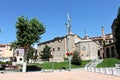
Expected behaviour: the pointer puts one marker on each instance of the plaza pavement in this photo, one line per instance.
(57, 75)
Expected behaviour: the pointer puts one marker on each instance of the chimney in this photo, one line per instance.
(103, 34)
(103, 37)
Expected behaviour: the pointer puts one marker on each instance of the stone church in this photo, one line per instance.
(87, 48)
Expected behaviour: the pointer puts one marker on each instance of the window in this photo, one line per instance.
(110, 41)
(84, 48)
(106, 41)
(20, 59)
(82, 55)
(53, 49)
(14, 59)
(58, 48)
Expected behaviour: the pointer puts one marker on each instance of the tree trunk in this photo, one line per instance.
(26, 48)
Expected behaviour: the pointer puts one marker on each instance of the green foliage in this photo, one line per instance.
(65, 59)
(117, 33)
(31, 51)
(109, 62)
(13, 45)
(2, 63)
(46, 53)
(59, 65)
(28, 31)
(76, 59)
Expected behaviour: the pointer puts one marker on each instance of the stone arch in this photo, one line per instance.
(113, 51)
(107, 53)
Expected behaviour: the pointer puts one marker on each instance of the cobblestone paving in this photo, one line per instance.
(57, 75)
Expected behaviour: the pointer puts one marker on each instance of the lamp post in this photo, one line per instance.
(68, 41)
(69, 54)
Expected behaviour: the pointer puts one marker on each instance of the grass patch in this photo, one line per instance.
(109, 62)
(59, 65)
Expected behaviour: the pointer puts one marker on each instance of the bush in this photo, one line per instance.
(2, 63)
(65, 59)
(33, 68)
(76, 60)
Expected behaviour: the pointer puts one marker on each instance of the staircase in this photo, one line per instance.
(94, 63)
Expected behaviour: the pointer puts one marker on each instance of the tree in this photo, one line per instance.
(28, 32)
(76, 60)
(13, 45)
(31, 53)
(46, 53)
(117, 33)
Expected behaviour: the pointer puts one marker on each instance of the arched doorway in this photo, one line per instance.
(99, 54)
(107, 53)
(113, 51)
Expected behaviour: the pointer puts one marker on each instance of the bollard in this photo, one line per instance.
(106, 71)
(114, 72)
(24, 67)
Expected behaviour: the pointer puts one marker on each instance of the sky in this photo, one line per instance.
(89, 15)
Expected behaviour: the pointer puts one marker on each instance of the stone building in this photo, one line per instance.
(99, 39)
(87, 49)
(107, 49)
(59, 46)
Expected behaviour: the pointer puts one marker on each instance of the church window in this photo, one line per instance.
(53, 49)
(58, 48)
(59, 40)
(84, 48)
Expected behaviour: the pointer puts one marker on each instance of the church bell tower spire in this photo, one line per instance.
(68, 23)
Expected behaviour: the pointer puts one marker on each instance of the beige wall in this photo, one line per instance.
(5, 50)
(87, 49)
(75, 43)
(57, 49)
(62, 43)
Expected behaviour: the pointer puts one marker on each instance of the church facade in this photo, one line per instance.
(59, 46)
(86, 48)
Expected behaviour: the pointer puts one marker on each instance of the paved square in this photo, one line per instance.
(57, 75)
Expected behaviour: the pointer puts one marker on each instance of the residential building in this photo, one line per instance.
(5, 52)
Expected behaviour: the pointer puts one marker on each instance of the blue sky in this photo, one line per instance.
(86, 14)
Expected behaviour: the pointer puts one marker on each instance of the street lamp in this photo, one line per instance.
(68, 40)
